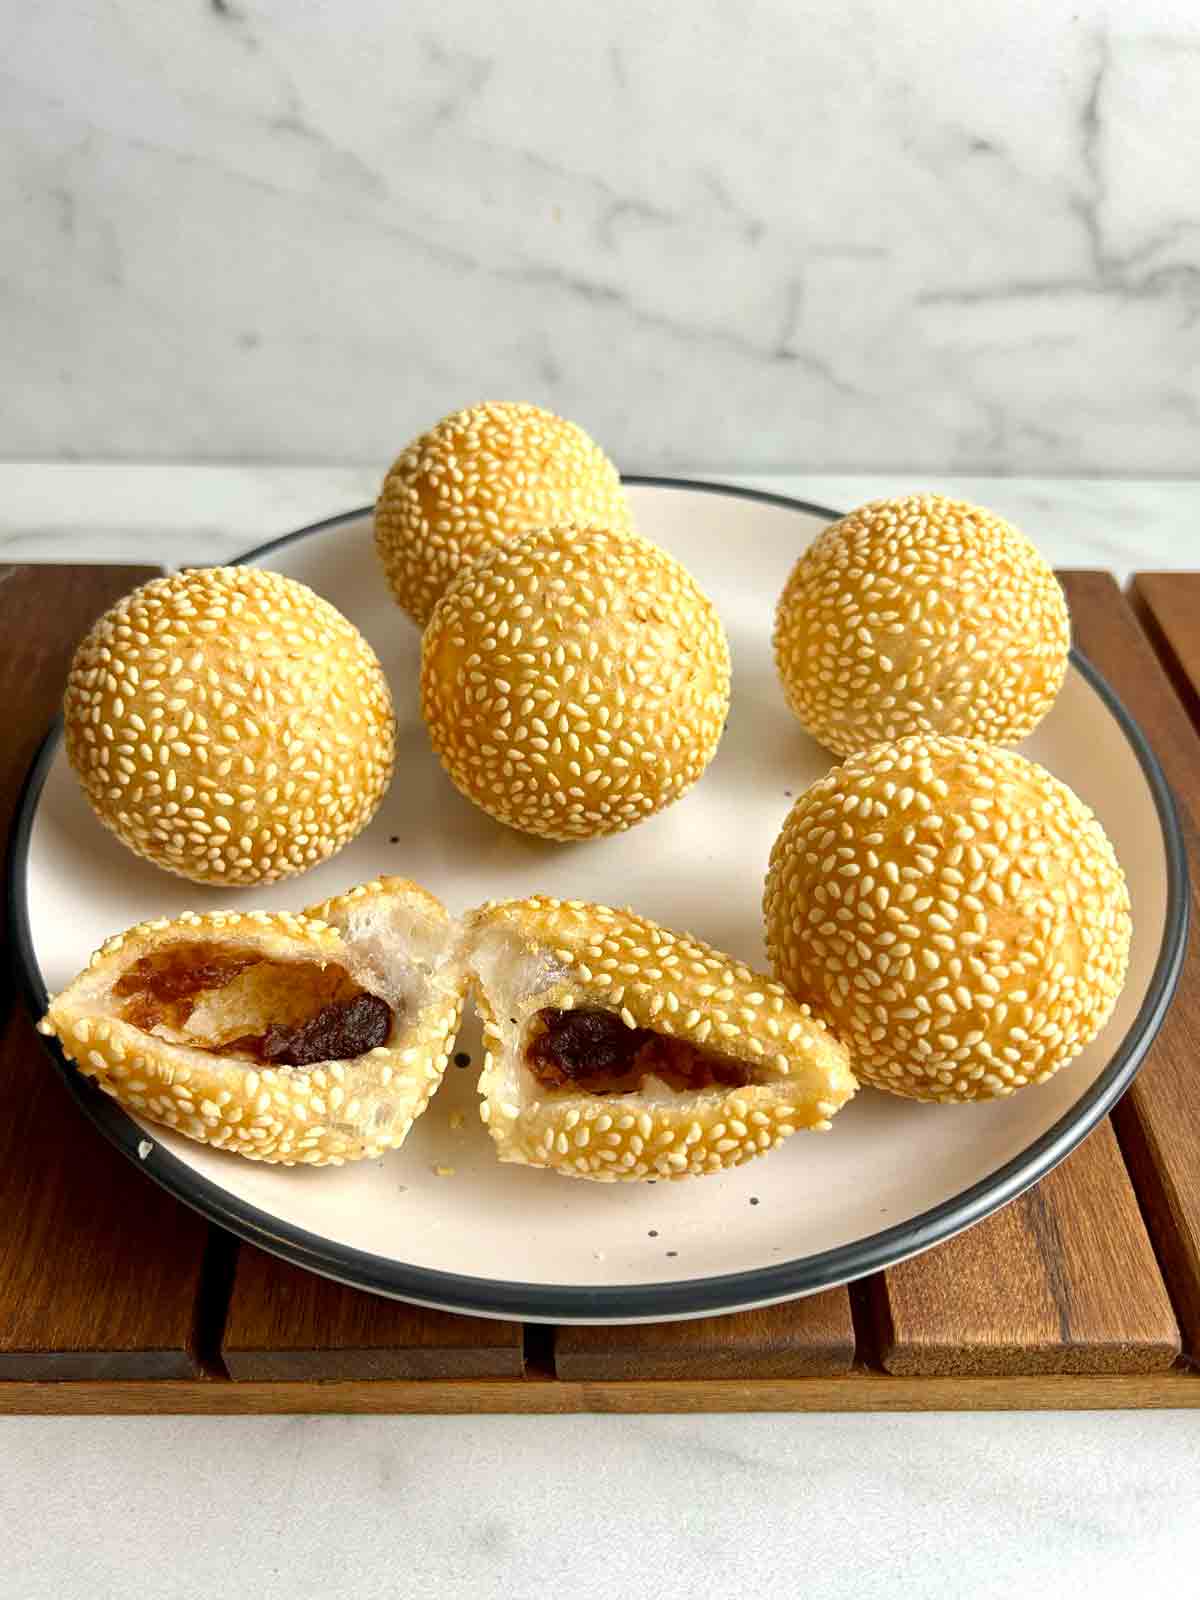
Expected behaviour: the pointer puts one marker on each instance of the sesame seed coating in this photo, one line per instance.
(476, 479)
(229, 725)
(575, 681)
(920, 615)
(529, 954)
(955, 913)
(328, 1114)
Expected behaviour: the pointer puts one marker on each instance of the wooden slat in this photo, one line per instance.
(812, 1337)
(1167, 604)
(1158, 1122)
(1062, 1281)
(858, 1391)
(99, 1270)
(46, 610)
(1065, 1280)
(285, 1324)
(126, 1309)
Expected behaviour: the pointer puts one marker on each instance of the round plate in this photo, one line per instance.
(891, 1179)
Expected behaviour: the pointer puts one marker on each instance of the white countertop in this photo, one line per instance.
(861, 1506)
(602, 1508)
(82, 511)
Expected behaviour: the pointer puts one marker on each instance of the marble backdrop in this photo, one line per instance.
(943, 235)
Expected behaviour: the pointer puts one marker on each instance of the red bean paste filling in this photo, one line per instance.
(339, 1032)
(164, 989)
(593, 1050)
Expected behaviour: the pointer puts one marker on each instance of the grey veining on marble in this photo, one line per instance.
(927, 1507)
(176, 515)
(766, 234)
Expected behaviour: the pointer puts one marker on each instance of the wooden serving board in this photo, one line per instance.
(1084, 1293)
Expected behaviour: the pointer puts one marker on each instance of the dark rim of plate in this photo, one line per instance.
(542, 1302)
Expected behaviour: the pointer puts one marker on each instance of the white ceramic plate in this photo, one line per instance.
(891, 1179)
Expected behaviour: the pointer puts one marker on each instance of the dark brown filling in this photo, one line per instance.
(339, 1032)
(344, 1020)
(593, 1050)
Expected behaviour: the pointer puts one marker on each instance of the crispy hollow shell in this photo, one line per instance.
(390, 937)
(532, 954)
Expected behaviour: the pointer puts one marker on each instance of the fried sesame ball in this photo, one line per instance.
(229, 725)
(778, 1067)
(575, 681)
(955, 913)
(170, 1019)
(476, 479)
(921, 615)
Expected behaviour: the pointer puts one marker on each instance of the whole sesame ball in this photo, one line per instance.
(575, 681)
(476, 479)
(921, 615)
(229, 725)
(955, 913)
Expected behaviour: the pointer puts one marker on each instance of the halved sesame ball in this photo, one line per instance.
(476, 479)
(229, 725)
(620, 1051)
(575, 681)
(954, 912)
(311, 1040)
(921, 615)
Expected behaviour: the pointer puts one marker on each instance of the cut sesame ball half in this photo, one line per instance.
(314, 1039)
(474, 481)
(619, 1051)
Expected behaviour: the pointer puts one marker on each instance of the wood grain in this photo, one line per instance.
(1158, 1122)
(286, 1324)
(1167, 604)
(46, 611)
(99, 1270)
(812, 1337)
(1053, 1303)
(1064, 1280)
(858, 1391)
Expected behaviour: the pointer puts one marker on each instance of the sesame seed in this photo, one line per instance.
(686, 1132)
(271, 1114)
(972, 978)
(201, 621)
(556, 776)
(985, 620)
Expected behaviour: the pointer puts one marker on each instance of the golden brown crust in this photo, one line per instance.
(334, 1112)
(338, 909)
(474, 481)
(575, 681)
(542, 952)
(920, 615)
(956, 914)
(229, 725)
